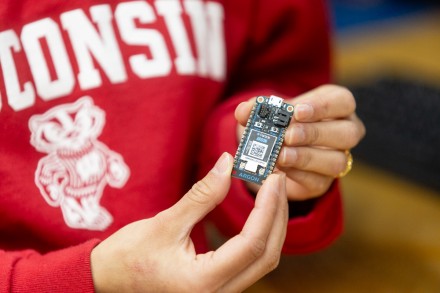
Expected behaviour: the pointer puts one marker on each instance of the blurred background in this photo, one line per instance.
(388, 53)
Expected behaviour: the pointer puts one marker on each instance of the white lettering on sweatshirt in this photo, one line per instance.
(96, 42)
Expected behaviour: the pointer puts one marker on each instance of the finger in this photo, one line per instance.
(327, 162)
(324, 102)
(243, 111)
(271, 255)
(302, 185)
(240, 130)
(203, 196)
(337, 134)
(244, 249)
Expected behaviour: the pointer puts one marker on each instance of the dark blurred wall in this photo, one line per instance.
(388, 53)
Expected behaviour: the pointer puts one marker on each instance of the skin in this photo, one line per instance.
(158, 255)
(323, 127)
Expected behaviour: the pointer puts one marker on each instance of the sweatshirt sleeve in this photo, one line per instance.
(66, 270)
(287, 54)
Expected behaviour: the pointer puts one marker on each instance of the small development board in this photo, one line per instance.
(262, 139)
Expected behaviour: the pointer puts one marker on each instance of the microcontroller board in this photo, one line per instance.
(262, 139)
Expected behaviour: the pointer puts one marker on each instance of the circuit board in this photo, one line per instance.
(262, 139)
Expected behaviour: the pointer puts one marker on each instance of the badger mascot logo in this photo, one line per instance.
(77, 167)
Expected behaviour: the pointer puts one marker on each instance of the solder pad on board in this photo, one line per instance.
(262, 139)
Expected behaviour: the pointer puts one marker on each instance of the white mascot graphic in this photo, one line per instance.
(77, 167)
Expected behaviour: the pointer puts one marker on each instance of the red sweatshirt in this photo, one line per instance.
(109, 109)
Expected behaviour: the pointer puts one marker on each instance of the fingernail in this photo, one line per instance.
(295, 135)
(303, 112)
(280, 182)
(222, 165)
(300, 134)
(289, 156)
(282, 185)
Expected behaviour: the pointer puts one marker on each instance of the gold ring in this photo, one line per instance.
(348, 166)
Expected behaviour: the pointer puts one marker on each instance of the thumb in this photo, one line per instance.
(204, 196)
(243, 111)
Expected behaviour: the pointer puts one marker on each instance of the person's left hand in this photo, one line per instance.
(323, 127)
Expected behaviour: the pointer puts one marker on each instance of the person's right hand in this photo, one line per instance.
(158, 255)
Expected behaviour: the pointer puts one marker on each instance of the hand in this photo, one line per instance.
(324, 126)
(157, 254)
